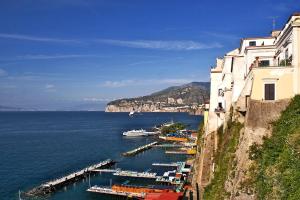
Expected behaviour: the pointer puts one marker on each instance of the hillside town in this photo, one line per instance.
(188, 98)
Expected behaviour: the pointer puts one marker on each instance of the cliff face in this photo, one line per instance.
(238, 165)
(258, 125)
(185, 98)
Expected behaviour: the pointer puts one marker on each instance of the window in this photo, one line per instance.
(221, 93)
(270, 91)
(220, 106)
(286, 54)
(232, 60)
(264, 63)
(252, 43)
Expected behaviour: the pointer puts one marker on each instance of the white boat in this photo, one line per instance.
(131, 113)
(167, 124)
(141, 132)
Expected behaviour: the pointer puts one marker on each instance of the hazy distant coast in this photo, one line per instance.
(185, 98)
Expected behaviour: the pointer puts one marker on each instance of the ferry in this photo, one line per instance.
(141, 132)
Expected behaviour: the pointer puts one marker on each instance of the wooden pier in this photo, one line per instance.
(139, 149)
(54, 185)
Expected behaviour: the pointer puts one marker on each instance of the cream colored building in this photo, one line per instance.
(262, 68)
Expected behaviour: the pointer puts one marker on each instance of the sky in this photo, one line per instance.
(56, 54)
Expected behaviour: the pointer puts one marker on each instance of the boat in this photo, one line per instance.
(166, 124)
(131, 113)
(140, 132)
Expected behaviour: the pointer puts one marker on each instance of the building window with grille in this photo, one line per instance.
(252, 43)
(269, 91)
(264, 63)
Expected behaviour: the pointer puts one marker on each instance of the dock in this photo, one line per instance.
(109, 191)
(169, 145)
(166, 181)
(135, 174)
(176, 152)
(106, 170)
(166, 164)
(139, 149)
(58, 183)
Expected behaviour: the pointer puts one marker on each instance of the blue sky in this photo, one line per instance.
(58, 53)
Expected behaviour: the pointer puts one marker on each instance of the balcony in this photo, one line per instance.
(276, 63)
(219, 110)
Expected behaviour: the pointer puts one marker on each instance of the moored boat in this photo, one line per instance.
(140, 132)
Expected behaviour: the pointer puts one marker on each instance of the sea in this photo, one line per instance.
(36, 147)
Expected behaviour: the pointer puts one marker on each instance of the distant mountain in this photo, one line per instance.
(182, 98)
(90, 106)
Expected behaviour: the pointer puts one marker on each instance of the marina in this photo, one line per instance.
(159, 178)
(53, 185)
(139, 149)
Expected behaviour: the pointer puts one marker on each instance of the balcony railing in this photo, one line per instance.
(285, 62)
(219, 110)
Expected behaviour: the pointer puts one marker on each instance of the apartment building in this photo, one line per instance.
(265, 69)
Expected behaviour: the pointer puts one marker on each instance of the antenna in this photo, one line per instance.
(89, 180)
(20, 195)
(273, 21)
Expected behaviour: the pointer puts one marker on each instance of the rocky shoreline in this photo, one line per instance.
(193, 110)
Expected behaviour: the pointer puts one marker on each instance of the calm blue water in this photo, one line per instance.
(39, 146)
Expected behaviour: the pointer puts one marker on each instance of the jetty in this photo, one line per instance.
(139, 149)
(169, 145)
(58, 183)
(167, 164)
(105, 190)
(136, 174)
(176, 152)
(106, 170)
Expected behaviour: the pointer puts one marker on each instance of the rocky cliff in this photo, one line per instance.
(186, 98)
(251, 156)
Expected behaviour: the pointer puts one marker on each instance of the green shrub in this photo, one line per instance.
(224, 161)
(277, 160)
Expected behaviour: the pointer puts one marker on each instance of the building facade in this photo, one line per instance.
(262, 69)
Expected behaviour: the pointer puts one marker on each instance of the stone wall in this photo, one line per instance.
(258, 121)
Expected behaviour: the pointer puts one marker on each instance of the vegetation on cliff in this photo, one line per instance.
(224, 158)
(276, 173)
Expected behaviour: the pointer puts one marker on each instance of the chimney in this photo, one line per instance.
(275, 33)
